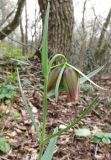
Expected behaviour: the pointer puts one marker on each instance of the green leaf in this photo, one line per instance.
(16, 116)
(100, 134)
(2, 96)
(7, 91)
(109, 135)
(10, 87)
(106, 140)
(83, 132)
(86, 88)
(50, 148)
(37, 129)
(96, 139)
(103, 134)
(4, 146)
(78, 120)
(87, 78)
(26, 82)
(45, 70)
(58, 82)
(91, 74)
(45, 43)
(52, 92)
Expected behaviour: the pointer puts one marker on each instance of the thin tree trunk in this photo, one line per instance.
(15, 22)
(26, 28)
(22, 37)
(100, 47)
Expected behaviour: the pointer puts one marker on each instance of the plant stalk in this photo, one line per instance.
(43, 135)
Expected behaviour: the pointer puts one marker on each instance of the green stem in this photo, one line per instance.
(58, 65)
(54, 58)
(44, 118)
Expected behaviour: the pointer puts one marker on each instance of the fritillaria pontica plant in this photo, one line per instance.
(56, 77)
(65, 77)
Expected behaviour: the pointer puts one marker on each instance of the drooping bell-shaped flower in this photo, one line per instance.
(71, 83)
(53, 76)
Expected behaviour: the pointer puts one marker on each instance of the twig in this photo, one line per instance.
(95, 154)
(3, 158)
(23, 44)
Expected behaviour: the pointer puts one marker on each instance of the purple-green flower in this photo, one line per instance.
(69, 82)
(53, 76)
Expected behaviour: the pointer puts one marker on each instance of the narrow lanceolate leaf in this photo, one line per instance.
(50, 148)
(53, 76)
(85, 76)
(92, 74)
(37, 129)
(76, 121)
(45, 43)
(58, 82)
(71, 83)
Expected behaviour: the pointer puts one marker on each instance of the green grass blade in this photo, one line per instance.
(77, 121)
(52, 92)
(28, 108)
(88, 79)
(19, 61)
(50, 148)
(45, 43)
(90, 75)
(58, 82)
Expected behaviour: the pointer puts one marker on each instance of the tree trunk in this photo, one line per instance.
(61, 21)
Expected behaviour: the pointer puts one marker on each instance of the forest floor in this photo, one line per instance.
(20, 134)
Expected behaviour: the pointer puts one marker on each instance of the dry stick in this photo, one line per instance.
(23, 44)
(4, 158)
(8, 16)
(101, 38)
(96, 149)
(100, 23)
(83, 34)
(83, 18)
